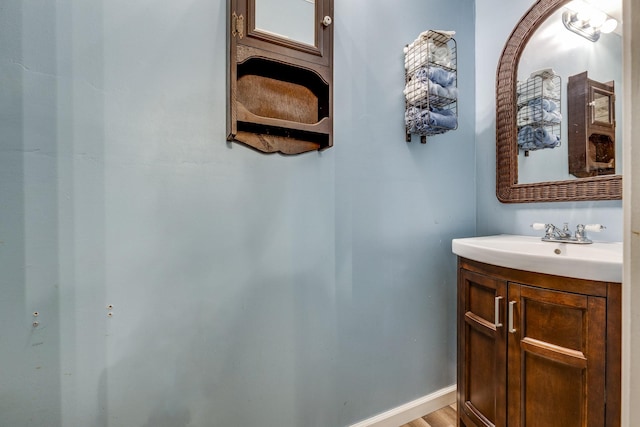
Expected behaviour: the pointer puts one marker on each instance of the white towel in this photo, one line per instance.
(424, 49)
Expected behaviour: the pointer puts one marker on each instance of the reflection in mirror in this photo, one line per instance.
(289, 19)
(591, 111)
(509, 188)
(553, 47)
(601, 110)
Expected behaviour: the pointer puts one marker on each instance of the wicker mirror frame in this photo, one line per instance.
(508, 190)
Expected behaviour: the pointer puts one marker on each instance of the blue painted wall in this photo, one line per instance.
(314, 290)
(493, 216)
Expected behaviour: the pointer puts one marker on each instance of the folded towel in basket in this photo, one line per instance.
(545, 139)
(443, 119)
(423, 50)
(424, 121)
(432, 80)
(441, 76)
(530, 138)
(528, 91)
(548, 105)
(529, 115)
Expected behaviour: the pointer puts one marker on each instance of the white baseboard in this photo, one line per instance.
(410, 411)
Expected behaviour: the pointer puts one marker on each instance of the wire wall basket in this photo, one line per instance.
(431, 85)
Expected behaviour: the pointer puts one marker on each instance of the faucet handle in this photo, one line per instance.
(549, 229)
(581, 231)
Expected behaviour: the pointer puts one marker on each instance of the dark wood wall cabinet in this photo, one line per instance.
(280, 88)
(591, 126)
(537, 349)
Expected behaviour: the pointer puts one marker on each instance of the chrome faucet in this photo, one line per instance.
(563, 235)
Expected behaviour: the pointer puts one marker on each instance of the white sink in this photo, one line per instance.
(596, 261)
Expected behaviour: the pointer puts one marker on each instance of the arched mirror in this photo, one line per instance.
(541, 43)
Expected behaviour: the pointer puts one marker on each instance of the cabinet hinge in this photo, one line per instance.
(237, 25)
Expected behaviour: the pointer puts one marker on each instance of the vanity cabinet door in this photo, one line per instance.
(555, 358)
(481, 350)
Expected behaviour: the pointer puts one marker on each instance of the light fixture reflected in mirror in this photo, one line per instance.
(588, 21)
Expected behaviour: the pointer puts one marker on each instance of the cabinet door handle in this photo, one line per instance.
(496, 320)
(512, 330)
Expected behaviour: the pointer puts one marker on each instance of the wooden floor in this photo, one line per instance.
(445, 417)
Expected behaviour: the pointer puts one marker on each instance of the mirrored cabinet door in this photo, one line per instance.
(602, 105)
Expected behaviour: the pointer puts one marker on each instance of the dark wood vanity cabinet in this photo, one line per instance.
(536, 349)
(591, 126)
